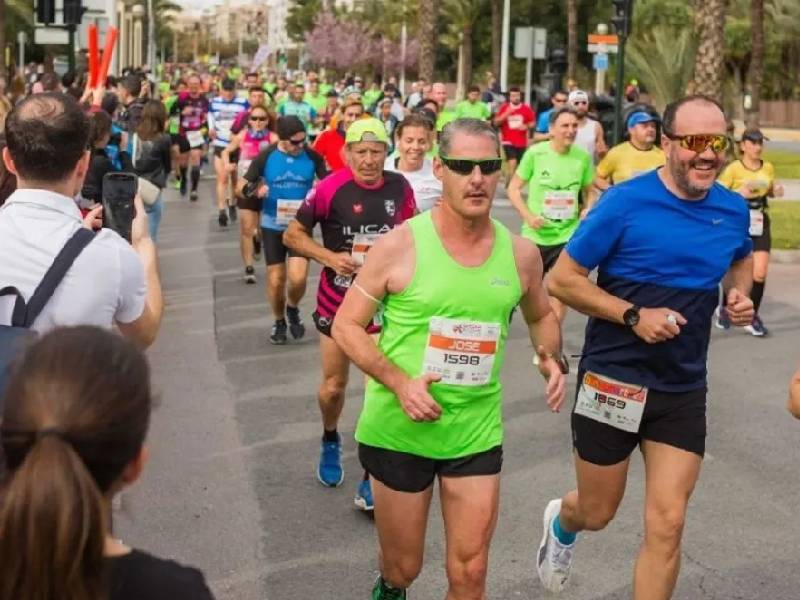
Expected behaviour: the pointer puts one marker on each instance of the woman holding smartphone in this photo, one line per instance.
(251, 140)
(77, 410)
(151, 158)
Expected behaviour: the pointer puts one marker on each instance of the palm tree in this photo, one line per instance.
(572, 38)
(497, 24)
(15, 16)
(463, 15)
(755, 74)
(427, 16)
(708, 64)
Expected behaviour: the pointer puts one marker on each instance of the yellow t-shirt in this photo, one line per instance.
(625, 161)
(736, 177)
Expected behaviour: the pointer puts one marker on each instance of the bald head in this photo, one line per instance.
(47, 135)
(439, 93)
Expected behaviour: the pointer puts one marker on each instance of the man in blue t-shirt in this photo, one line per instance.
(662, 244)
(282, 175)
(542, 131)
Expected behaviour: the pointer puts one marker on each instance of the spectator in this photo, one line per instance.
(50, 82)
(151, 157)
(129, 91)
(99, 163)
(76, 416)
(112, 281)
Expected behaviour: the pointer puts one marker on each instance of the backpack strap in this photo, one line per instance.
(55, 274)
(18, 314)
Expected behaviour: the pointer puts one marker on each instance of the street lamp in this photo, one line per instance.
(151, 37)
(138, 12)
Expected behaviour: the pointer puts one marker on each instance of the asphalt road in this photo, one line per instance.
(231, 484)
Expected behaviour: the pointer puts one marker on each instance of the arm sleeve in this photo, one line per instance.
(319, 163)
(599, 232)
(525, 168)
(132, 293)
(409, 202)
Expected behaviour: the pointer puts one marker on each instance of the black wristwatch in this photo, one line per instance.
(561, 361)
(631, 316)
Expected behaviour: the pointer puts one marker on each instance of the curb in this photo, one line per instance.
(785, 256)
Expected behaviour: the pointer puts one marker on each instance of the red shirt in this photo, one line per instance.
(330, 144)
(514, 130)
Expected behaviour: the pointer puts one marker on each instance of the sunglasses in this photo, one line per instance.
(464, 166)
(259, 119)
(579, 102)
(700, 142)
(297, 142)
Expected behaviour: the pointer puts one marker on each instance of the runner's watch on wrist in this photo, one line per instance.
(631, 316)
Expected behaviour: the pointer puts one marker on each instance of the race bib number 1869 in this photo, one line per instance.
(462, 352)
(612, 402)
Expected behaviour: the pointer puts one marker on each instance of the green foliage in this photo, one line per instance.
(300, 18)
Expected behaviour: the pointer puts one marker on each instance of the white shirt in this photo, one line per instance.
(427, 189)
(105, 284)
(587, 137)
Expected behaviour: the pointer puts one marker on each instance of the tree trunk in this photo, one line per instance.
(428, 11)
(708, 65)
(755, 74)
(466, 72)
(3, 38)
(572, 38)
(497, 39)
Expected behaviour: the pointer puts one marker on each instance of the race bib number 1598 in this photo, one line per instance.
(462, 352)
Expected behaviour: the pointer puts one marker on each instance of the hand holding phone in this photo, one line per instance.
(119, 190)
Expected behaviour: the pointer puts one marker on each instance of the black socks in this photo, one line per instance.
(330, 436)
(757, 294)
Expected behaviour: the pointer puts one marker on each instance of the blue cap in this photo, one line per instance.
(641, 117)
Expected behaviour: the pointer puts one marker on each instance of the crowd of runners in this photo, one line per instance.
(392, 195)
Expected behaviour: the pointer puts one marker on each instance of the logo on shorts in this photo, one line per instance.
(358, 208)
(389, 206)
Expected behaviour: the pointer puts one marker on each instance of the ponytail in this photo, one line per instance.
(52, 527)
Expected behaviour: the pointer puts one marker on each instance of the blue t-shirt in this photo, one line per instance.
(543, 121)
(654, 250)
(288, 178)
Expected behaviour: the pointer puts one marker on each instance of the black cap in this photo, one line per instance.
(332, 94)
(228, 85)
(754, 135)
(289, 126)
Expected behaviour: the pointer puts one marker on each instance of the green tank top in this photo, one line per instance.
(453, 320)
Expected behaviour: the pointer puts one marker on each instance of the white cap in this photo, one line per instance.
(578, 96)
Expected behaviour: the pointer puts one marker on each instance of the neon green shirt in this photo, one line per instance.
(469, 110)
(467, 351)
(444, 118)
(555, 182)
(371, 97)
(318, 102)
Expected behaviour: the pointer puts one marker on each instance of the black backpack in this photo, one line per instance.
(15, 337)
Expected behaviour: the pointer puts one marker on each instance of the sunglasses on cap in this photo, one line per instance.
(698, 143)
(465, 166)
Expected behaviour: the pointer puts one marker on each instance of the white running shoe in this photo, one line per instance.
(554, 559)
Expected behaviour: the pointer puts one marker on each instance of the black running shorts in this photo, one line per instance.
(550, 255)
(233, 158)
(181, 142)
(405, 472)
(677, 419)
(275, 251)
(513, 153)
(763, 242)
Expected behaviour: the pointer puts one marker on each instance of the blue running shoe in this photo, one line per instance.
(363, 499)
(329, 471)
(721, 318)
(756, 328)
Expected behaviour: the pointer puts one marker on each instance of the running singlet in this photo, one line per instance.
(194, 120)
(439, 324)
(352, 217)
(221, 116)
(289, 179)
(250, 147)
(587, 137)
(427, 189)
(625, 161)
(555, 182)
(624, 237)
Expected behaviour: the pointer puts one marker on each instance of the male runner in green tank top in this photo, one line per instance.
(433, 403)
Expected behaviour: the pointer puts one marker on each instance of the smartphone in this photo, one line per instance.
(119, 189)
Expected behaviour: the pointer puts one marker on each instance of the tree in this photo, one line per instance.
(462, 16)
(427, 16)
(755, 75)
(572, 38)
(710, 56)
(497, 41)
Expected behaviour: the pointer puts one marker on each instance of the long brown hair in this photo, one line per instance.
(76, 413)
(153, 121)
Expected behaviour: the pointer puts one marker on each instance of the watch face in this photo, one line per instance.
(631, 317)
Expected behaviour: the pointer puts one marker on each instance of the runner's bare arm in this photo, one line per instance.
(737, 285)
(794, 394)
(544, 327)
(232, 146)
(299, 239)
(600, 141)
(515, 196)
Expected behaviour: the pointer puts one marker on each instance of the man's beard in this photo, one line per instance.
(680, 174)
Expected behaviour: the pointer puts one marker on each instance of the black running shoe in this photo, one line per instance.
(256, 245)
(232, 212)
(278, 334)
(183, 186)
(223, 219)
(296, 327)
(193, 196)
(249, 274)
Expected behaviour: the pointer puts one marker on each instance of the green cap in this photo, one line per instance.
(366, 130)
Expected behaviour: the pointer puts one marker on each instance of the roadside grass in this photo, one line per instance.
(787, 164)
(785, 219)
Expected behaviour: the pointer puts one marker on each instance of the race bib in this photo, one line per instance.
(758, 187)
(195, 138)
(287, 209)
(612, 402)
(242, 166)
(362, 242)
(516, 122)
(462, 352)
(560, 205)
(756, 223)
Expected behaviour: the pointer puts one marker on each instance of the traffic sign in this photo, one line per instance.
(600, 62)
(600, 38)
(50, 36)
(530, 42)
(602, 49)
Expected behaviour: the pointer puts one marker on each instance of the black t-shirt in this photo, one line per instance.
(141, 576)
